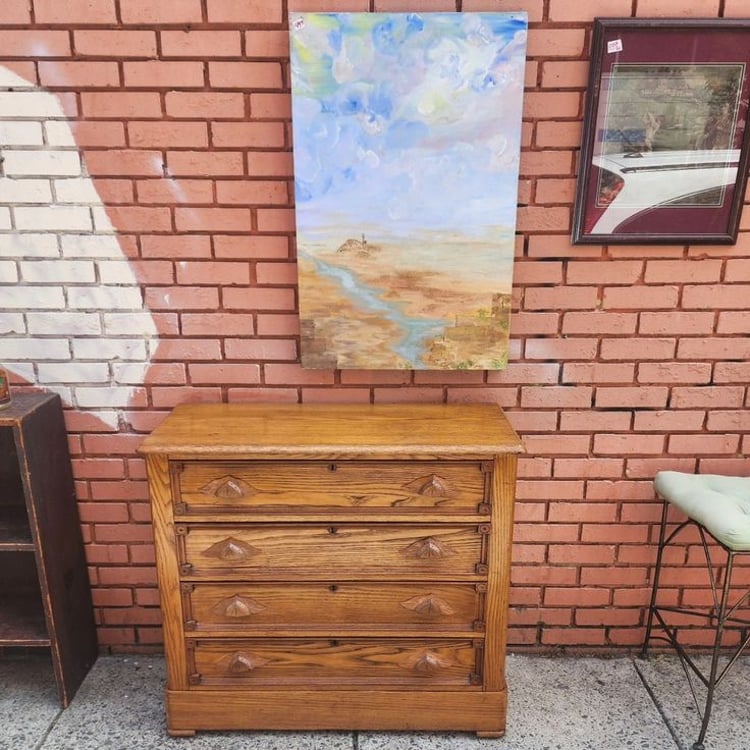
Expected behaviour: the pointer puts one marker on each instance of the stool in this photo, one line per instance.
(719, 506)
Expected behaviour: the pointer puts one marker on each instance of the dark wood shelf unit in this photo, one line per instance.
(45, 597)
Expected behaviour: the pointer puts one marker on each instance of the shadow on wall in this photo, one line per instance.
(72, 318)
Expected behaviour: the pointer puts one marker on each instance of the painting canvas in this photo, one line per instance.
(406, 147)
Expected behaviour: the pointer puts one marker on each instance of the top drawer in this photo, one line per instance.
(450, 487)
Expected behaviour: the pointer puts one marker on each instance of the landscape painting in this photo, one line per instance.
(407, 132)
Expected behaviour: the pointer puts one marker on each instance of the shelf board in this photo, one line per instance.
(15, 534)
(22, 620)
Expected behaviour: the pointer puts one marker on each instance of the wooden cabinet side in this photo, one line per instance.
(165, 542)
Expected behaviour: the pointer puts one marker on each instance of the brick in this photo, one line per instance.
(54, 218)
(682, 271)
(65, 74)
(674, 372)
(259, 299)
(675, 8)
(668, 421)
(675, 323)
(734, 322)
(587, 421)
(26, 163)
(208, 374)
(714, 348)
(588, 468)
(252, 192)
(206, 324)
(565, 12)
(556, 397)
(558, 134)
(150, 13)
(75, 12)
(117, 43)
(201, 44)
(622, 445)
(653, 397)
(168, 398)
(561, 349)
(119, 162)
(729, 372)
(141, 218)
(283, 325)
(270, 164)
(641, 348)
(176, 246)
(271, 106)
(204, 105)
(597, 372)
(604, 272)
(114, 104)
(599, 322)
(34, 43)
(565, 74)
(248, 134)
(90, 134)
(716, 296)
(164, 74)
(703, 444)
(245, 75)
(175, 191)
(244, 11)
(294, 374)
(204, 163)
(335, 395)
(213, 219)
(184, 298)
(208, 349)
(551, 191)
(557, 444)
(15, 12)
(561, 297)
(267, 43)
(224, 273)
(276, 220)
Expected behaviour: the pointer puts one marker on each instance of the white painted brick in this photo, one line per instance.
(129, 324)
(64, 323)
(58, 271)
(8, 274)
(53, 218)
(73, 372)
(5, 222)
(59, 133)
(104, 397)
(14, 133)
(35, 349)
(90, 246)
(105, 298)
(9, 79)
(116, 272)
(42, 297)
(29, 245)
(109, 349)
(25, 191)
(129, 373)
(102, 222)
(30, 104)
(11, 323)
(76, 190)
(41, 162)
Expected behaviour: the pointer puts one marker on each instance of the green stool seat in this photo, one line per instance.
(719, 503)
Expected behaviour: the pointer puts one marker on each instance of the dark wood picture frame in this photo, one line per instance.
(664, 154)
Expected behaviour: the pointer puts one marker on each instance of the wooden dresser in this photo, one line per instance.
(334, 566)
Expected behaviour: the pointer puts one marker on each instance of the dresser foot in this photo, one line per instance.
(490, 735)
(181, 732)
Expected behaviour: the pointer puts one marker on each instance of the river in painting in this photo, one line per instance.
(430, 302)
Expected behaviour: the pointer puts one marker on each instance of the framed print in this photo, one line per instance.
(665, 138)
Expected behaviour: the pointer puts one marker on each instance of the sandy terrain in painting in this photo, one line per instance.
(448, 282)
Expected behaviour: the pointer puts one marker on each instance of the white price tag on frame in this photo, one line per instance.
(614, 46)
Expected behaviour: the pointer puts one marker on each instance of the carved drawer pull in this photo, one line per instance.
(429, 547)
(238, 606)
(431, 486)
(243, 663)
(228, 488)
(231, 549)
(429, 604)
(428, 663)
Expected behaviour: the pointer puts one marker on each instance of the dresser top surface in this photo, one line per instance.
(333, 430)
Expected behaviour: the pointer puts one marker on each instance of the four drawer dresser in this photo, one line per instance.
(334, 566)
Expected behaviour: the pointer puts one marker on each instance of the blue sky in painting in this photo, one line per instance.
(407, 122)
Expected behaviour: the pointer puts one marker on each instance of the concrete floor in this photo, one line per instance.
(556, 703)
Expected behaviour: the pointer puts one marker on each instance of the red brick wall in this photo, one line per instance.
(624, 360)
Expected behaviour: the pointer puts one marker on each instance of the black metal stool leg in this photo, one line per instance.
(657, 573)
(716, 652)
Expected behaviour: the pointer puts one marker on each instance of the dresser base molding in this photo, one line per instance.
(312, 710)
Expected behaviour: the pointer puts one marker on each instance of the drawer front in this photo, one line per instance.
(364, 486)
(344, 606)
(425, 663)
(334, 553)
